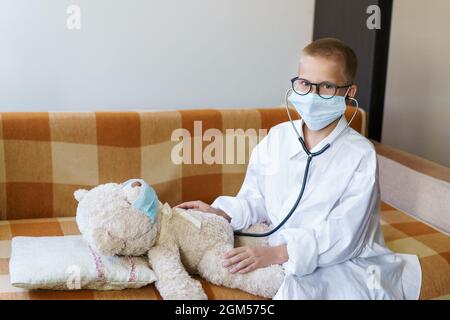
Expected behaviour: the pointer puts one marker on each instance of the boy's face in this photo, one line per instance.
(318, 69)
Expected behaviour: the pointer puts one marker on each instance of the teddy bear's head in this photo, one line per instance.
(118, 219)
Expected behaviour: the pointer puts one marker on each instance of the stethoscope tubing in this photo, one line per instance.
(305, 175)
(300, 195)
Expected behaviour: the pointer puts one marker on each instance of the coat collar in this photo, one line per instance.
(296, 148)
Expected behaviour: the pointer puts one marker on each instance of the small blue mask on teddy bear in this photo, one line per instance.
(147, 201)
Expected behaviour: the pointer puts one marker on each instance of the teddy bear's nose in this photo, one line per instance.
(136, 184)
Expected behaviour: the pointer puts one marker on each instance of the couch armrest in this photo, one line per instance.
(415, 185)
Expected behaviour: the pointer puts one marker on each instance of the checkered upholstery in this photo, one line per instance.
(402, 234)
(67, 226)
(46, 156)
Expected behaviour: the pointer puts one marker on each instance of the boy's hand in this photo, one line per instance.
(201, 206)
(249, 258)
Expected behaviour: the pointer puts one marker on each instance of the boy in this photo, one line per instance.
(332, 247)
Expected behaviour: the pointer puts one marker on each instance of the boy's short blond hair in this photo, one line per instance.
(335, 49)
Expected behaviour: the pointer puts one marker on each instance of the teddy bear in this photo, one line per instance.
(128, 219)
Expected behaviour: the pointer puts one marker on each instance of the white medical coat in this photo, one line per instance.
(334, 240)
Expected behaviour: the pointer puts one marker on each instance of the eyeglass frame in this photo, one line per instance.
(317, 87)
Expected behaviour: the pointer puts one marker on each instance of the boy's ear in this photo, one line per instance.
(352, 91)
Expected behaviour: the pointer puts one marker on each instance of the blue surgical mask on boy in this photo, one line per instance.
(147, 201)
(317, 112)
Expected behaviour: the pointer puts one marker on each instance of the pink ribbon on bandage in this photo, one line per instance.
(98, 265)
(132, 276)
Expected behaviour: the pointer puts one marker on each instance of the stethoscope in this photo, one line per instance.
(310, 155)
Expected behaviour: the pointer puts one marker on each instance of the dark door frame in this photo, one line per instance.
(346, 20)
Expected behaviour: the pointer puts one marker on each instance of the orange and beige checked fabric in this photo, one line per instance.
(67, 226)
(46, 156)
(402, 234)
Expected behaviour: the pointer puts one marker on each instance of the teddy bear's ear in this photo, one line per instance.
(79, 194)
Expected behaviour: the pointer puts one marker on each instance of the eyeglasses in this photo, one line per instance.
(325, 90)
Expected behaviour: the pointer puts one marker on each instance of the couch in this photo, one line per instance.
(46, 156)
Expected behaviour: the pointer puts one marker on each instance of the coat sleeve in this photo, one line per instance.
(248, 206)
(344, 234)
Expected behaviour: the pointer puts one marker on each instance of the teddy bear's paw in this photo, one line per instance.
(186, 290)
(270, 280)
(263, 282)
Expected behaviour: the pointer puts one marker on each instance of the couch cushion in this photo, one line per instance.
(405, 234)
(67, 226)
(46, 156)
(402, 234)
(68, 262)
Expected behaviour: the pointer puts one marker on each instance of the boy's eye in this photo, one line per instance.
(327, 86)
(304, 83)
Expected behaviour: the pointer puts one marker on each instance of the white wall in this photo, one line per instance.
(150, 53)
(417, 105)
